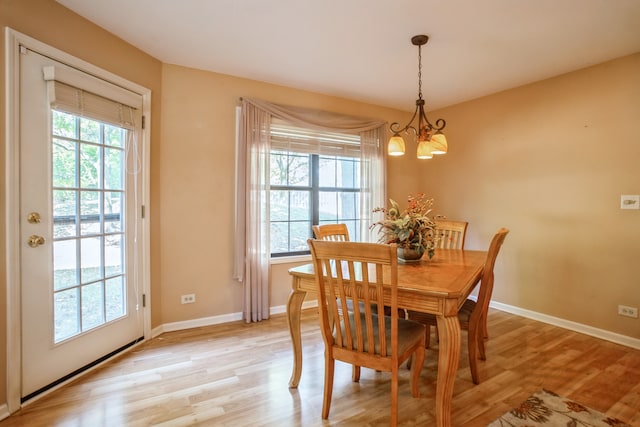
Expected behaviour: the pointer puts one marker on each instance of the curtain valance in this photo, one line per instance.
(316, 119)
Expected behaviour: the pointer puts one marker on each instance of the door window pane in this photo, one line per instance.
(89, 130)
(65, 273)
(92, 306)
(90, 166)
(65, 166)
(113, 254)
(65, 313)
(114, 136)
(114, 161)
(64, 124)
(114, 298)
(65, 213)
(113, 211)
(91, 259)
(90, 209)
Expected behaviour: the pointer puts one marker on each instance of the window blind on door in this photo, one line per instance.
(117, 107)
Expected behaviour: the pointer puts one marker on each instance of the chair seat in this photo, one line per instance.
(408, 332)
(430, 319)
(465, 312)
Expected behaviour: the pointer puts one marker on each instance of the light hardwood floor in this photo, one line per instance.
(237, 374)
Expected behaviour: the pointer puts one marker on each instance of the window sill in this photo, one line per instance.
(290, 259)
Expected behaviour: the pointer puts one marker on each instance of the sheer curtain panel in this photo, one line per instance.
(252, 249)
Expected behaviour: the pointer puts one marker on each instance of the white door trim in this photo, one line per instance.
(13, 40)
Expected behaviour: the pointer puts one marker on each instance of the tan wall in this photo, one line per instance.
(197, 186)
(571, 249)
(549, 161)
(48, 22)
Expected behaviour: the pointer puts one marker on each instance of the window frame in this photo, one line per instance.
(314, 190)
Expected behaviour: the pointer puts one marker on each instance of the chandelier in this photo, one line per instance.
(429, 137)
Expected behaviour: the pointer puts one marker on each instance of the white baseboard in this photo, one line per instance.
(195, 323)
(283, 308)
(4, 412)
(545, 318)
(216, 320)
(567, 324)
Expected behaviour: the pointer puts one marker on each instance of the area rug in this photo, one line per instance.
(545, 408)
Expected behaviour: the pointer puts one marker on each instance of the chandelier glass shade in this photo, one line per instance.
(429, 137)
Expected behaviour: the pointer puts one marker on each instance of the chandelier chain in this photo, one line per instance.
(420, 72)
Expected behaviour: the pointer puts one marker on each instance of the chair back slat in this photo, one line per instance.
(451, 233)
(333, 232)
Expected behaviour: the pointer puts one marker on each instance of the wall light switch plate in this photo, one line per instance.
(629, 202)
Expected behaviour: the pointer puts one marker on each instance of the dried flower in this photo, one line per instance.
(414, 228)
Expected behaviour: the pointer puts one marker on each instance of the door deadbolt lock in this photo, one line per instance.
(35, 241)
(33, 218)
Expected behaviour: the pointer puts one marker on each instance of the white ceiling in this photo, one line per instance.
(361, 49)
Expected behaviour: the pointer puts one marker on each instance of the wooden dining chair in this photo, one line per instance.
(340, 233)
(337, 232)
(473, 314)
(451, 233)
(363, 273)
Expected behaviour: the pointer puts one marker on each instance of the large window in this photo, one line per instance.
(314, 179)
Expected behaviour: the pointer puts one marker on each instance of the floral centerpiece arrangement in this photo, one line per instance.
(412, 229)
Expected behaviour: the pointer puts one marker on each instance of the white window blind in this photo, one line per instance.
(303, 140)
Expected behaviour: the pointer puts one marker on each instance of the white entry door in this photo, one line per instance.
(81, 296)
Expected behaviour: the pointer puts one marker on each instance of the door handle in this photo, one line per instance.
(35, 241)
(33, 218)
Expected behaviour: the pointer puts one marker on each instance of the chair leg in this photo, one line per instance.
(416, 369)
(482, 335)
(481, 353)
(427, 336)
(355, 373)
(472, 342)
(329, 364)
(394, 396)
(485, 331)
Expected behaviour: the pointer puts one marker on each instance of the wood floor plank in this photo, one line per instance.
(237, 375)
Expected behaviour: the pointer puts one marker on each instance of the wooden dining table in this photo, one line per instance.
(439, 285)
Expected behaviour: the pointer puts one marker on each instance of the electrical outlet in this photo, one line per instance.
(624, 310)
(188, 299)
(628, 201)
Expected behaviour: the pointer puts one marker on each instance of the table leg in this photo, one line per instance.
(448, 359)
(294, 306)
